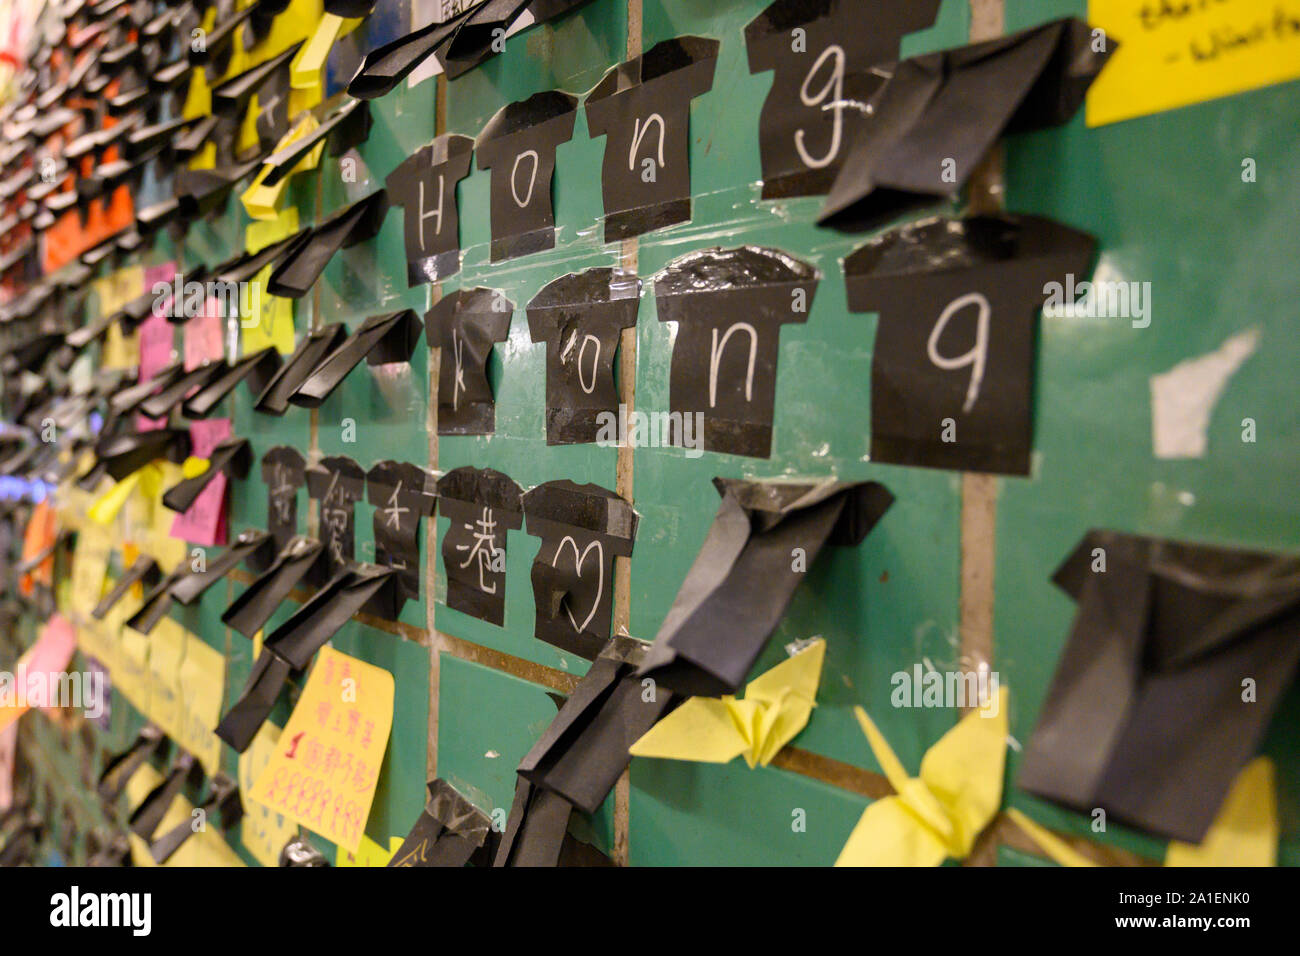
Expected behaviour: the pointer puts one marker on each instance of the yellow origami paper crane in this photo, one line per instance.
(776, 707)
(940, 813)
(106, 508)
(1244, 833)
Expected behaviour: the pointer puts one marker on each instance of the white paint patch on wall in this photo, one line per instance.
(1183, 398)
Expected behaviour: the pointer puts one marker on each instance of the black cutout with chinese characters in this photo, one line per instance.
(481, 506)
(402, 494)
(284, 473)
(338, 483)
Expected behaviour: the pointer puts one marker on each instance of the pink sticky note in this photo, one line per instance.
(203, 336)
(156, 336)
(204, 523)
(51, 653)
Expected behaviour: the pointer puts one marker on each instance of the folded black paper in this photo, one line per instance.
(537, 834)
(144, 570)
(121, 767)
(952, 369)
(156, 603)
(249, 612)
(232, 457)
(481, 506)
(743, 578)
(580, 317)
(283, 472)
(824, 79)
(518, 144)
(146, 818)
(125, 454)
(1147, 716)
(380, 339)
(401, 493)
(338, 483)
(585, 749)
(302, 266)
(386, 66)
(480, 36)
(450, 831)
(127, 399)
(310, 627)
(222, 805)
(465, 324)
(938, 114)
(190, 587)
(424, 186)
(583, 528)
(643, 107)
(310, 352)
(161, 403)
(346, 127)
(729, 306)
(256, 370)
(241, 723)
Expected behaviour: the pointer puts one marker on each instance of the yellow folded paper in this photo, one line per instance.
(776, 707)
(304, 71)
(106, 509)
(262, 202)
(193, 467)
(940, 813)
(1245, 831)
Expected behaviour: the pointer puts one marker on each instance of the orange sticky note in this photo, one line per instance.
(325, 769)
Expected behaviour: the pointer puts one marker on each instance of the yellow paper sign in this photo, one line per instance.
(1176, 54)
(89, 568)
(132, 676)
(202, 685)
(324, 772)
(166, 649)
(263, 831)
(273, 324)
(370, 854)
(113, 292)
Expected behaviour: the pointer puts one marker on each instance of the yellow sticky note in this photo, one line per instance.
(203, 680)
(324, 772)
(262, 202)
(89, 569)
(262, 831)
(132, 677)
(304, 72)
(273, 323)
(166, 650)
(1176, 54)
(370, 854)
(1245, 830)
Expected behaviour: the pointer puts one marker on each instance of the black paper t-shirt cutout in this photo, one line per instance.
(481, 506)
(823, 81)
(283, 472)
(338, 483)
(1145, 715)
(583, 528)
(580, 317)
(518, 144)
(465, 325)
(643, 106)
(402, 494)
(424, 185)
(729, 306)
(952, 369)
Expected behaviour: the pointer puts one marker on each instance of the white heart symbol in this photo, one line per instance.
(578, 560)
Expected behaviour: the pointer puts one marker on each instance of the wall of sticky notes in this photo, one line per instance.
(956, 574)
